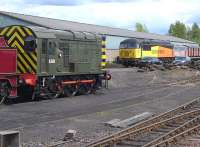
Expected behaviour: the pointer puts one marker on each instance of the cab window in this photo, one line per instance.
(51, 48)
(146, 47)
(129, 45)
(123, 45)
(132, 45)
(64, 46)
(30, 44)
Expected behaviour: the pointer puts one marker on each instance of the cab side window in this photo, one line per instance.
(51, 48)
(44, 46)
(146, 47)
(64, 46)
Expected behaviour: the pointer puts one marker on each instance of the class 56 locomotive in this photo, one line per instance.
(38, 62)
(133, 51)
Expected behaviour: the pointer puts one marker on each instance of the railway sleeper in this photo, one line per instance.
(162, 130)
(138, 143)
(173, 125)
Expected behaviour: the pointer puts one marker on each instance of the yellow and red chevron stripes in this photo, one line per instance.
(15, 35)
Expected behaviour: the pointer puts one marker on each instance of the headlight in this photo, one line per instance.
(21, 81)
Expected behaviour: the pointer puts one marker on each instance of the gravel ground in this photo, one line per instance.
(129, 93)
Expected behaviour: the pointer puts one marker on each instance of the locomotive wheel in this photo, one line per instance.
(54, 89)
(33, 97)
(55, 95)
(84, 89)
(47, 94)
(70, 90)
(2, 99)
(4, 92)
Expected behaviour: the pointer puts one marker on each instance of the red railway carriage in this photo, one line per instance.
(185, 51)
(193, 52)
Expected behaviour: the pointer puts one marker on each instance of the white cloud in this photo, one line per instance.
(156, 14)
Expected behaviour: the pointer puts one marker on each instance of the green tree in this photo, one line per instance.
(178, 29)
(141, 27)
(195, 33)
(171, 29)
(182, 31)
(189, 33)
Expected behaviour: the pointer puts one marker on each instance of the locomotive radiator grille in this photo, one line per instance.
(15, 35)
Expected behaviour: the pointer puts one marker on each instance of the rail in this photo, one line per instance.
(184, 114)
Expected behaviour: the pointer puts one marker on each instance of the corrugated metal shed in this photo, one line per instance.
(70, 25)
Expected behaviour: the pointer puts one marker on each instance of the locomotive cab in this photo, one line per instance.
(129, 52)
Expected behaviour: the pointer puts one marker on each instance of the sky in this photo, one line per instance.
(157, 15)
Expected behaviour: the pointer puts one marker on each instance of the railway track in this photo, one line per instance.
(192, 141)
(162, 130)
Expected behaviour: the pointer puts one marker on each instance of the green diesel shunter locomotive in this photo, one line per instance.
(39, 62)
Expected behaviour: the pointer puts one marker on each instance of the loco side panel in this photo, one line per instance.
(164, 52)
(130, 56)
(152, 52)
(130, 53)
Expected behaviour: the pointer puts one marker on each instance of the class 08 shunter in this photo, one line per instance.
(40, 62)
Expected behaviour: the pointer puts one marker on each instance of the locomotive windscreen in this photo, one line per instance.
(129, 43)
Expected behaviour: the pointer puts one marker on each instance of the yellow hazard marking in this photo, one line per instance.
(21, 67)
(16, 35)
(26, 56)
(3, 31)
(33, 56)
(10, 31)
(103, 56)
(103, 63)
(24, 62)
(21, 31)
(28, 31)
(103, 50)
(16, 44)
(103, 42)
(18, 28)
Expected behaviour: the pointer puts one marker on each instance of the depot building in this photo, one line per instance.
(113, 36)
